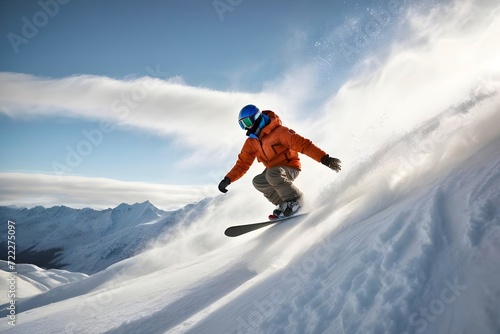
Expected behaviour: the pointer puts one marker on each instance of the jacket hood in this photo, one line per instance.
(275, 122)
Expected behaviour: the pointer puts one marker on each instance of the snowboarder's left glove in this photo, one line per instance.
(223, 184)
(332, 163)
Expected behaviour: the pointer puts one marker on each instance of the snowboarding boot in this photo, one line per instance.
(287, 209)
(292, 207)
(278, 212)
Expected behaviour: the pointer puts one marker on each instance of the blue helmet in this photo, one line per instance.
(248, 115)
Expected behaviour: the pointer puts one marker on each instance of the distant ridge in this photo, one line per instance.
(87, 240)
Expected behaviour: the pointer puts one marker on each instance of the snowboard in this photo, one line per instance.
(234, 231)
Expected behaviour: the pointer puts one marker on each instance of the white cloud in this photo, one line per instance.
(154, 105)
(75, 191)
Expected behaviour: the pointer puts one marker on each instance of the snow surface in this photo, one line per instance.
(405, 240)
(32, 280)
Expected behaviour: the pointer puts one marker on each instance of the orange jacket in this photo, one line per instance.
(276, 146)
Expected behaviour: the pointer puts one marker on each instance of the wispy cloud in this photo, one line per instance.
(162, 106)
(101, 193)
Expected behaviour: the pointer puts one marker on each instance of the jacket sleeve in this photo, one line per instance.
(300, 144)
(245, 160)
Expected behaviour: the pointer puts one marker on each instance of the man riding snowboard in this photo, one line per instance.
(276, 146)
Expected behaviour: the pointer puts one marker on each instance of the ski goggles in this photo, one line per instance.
(246, 122)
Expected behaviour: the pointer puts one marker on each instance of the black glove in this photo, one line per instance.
(332, 163)
(223, 184)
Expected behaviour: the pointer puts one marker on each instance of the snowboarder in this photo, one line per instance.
(276, 146)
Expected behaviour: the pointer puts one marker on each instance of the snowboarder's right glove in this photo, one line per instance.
(332, 163)
(223, 184)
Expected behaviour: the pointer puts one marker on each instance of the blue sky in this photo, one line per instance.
(187, 38)
(85, 58)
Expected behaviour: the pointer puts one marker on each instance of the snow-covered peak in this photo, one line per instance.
(88, 240)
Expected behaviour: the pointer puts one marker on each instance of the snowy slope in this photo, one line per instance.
(427, 263)
(32, 280)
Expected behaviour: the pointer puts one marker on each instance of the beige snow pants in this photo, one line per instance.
(276, 184)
